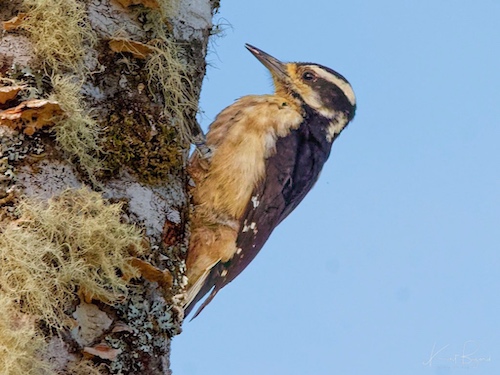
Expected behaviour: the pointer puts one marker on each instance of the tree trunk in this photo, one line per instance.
(98, 102)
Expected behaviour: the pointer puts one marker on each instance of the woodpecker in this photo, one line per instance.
(266, 153)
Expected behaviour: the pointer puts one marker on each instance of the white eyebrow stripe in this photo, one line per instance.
(340, 83)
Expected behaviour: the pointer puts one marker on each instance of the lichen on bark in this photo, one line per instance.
(116, 143)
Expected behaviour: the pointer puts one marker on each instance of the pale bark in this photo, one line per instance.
(138, 158)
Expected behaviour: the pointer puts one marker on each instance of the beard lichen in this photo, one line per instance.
(76, 242)
(63, 40)
(170, 74)
(150, 129)
(20, 343)
(59, 31)
(86, 367)
(67, 47)
(78, 132)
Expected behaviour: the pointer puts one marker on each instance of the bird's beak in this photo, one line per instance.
(276, 67)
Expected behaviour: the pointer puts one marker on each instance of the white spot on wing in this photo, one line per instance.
(252, 226)
(255, 201)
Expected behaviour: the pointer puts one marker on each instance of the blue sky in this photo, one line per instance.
(391, 264)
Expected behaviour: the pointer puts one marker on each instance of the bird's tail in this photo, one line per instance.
(195, 291)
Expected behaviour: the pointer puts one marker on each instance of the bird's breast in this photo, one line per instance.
(243, 136)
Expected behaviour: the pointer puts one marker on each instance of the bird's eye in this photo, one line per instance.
(308, 76)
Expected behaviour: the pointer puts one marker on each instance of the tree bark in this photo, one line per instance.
(98, 102)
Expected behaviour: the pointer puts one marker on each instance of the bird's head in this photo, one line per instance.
(321, 88)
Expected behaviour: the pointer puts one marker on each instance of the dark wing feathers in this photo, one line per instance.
(266, 215)
(290, 173)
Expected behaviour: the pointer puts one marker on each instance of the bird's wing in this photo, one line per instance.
(290, 173)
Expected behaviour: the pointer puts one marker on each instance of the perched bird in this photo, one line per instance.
(267, 152)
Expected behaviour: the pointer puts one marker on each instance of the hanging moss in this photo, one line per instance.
(77, 132)
(62, 38)
(75, 242)
(59, 31)
(20, 342)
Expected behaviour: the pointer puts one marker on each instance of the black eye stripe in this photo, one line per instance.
(331, 94)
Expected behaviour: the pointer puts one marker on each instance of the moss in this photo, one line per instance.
(20, 345)
(64, 41)
(76, 241)
(150, 150)
(149, 128)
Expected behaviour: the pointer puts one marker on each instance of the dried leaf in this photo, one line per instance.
(85, 295)
(153, 4)
(8, 198)
(14, 23)
(88, 296)
(9, 92)
(102, 351)
(138, 50)
(31, 115)
(153, 274)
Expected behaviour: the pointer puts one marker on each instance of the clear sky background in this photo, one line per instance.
(391, 265)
